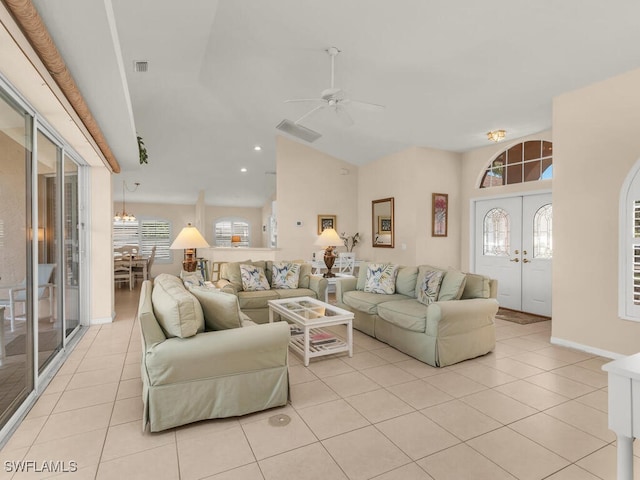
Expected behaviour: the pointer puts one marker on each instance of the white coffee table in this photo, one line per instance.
(310, 316)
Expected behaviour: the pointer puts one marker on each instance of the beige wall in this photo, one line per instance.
(311, 183)
(411, 176)
(596, 142)
(474, 164)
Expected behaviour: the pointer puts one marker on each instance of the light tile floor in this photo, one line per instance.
(529, 410)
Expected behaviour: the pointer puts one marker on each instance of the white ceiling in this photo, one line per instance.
(219, 72)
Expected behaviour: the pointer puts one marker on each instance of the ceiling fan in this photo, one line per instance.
(334, 98)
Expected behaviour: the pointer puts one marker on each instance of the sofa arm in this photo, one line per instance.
(216, 354)
(226, 286)
(459, 316)
(343, 285)
(318, 284)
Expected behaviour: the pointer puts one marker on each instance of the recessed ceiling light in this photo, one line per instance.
(243, 170)
(257, 148)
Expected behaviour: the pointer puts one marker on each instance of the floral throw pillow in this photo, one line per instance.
(381, 278)
(285, 275)
(253, 278)
(429, 283)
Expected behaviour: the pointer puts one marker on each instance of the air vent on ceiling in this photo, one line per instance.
(140, 66)
(298, 131)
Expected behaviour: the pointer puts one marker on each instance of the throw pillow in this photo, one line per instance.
(178, 312)
(221, 310)
(428, 286)
(452, 285)
(191, 278)
(253, 278)
(285, 275)
(381, 278)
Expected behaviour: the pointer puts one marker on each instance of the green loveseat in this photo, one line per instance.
(255, 303)
(440, 334)
(191, 373)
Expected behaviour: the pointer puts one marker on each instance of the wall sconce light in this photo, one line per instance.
(496, 135)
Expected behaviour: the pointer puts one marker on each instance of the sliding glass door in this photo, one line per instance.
(40, 254)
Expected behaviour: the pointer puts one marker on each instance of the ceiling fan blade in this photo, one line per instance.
(344, 115)
(294, 100)
(374, 107)
(309, 113)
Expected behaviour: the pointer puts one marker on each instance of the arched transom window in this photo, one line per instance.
(496, 233)
(525, 162)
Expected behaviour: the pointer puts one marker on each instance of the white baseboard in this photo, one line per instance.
(101, 321)
(586, 348)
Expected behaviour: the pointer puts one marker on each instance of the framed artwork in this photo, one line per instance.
(440, 214)
(326, 221)
(384, 224)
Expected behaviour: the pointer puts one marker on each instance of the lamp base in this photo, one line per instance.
(329, 260)
(189, 264)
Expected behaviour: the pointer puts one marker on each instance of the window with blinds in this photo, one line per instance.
(636, 252)
(145, 234)
(226, 228)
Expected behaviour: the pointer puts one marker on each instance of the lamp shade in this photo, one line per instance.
(328, 238)
(189, 237)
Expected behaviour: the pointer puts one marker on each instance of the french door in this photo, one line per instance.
(513, 244)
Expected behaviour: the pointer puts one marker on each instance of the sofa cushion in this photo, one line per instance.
(221, 310)
(362, 276)
(476, 286)
(452, 285)
(295, 292)
(406, 280)
(381, 278)
(253, 278)
(285, 275)
(368, 302)
(258, 299)
(428, 285)
(406, 314)
(178, 311)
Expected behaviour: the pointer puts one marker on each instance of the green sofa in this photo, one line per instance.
(190, 372)
(440, 334)
(255, 303)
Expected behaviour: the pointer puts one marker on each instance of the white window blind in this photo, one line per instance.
(224, 229)
(158, 233)
(145, 234)
(635, 246)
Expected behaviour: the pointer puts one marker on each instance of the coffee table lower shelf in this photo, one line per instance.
(297, 344)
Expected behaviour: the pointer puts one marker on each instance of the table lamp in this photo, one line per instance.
(189, 239)
(329, 239)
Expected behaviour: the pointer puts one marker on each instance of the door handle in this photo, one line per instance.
(524, 260)
(515, 260)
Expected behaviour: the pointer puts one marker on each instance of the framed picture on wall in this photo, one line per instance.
(326, 221)
(439, 214)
